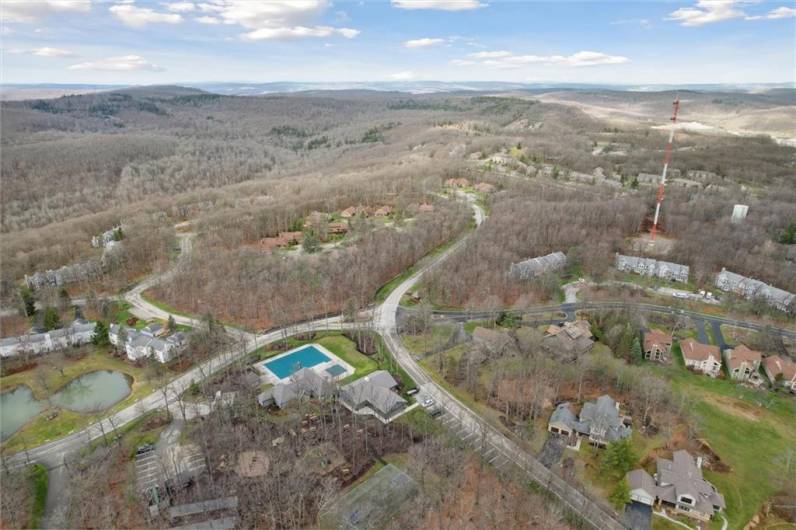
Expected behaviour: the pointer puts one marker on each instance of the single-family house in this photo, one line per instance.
(652, 267)
(425, 207)
(149, 342)
(337, 228)
(484, 187)
(568, 340)
(600, 421)
(678, 483)
(648, 178)
(703, 358)
(457, 183)
(743, 364)
(303, 383)
(384, 211)
(780, 370)
(657, 345)
(492, 340)
(530, 268)
(374, 394)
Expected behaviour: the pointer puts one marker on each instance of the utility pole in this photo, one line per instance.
(667, 157)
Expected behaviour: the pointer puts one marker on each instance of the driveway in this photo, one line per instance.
(702, 334)
(638, 516)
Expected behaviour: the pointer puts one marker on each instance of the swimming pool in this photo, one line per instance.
(305, 357)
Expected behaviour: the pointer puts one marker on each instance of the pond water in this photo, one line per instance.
(16, 408)
(93, 392)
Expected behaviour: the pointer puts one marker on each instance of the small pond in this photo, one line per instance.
(93, 392)
(16, 408)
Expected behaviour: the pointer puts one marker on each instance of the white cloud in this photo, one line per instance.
(442, 5)
(710, 11)
(423, 43)
(138, 17)
(180, 7)
(781, 12)
(297, 32)
(706, 12)
(125, 63)
(208, 20)
(406, 75)
(51, 52)
(274, 19)
(41, 52)
(506, 60)
(490, 55)
(33, 10)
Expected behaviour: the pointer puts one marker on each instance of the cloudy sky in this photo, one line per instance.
(146, 42)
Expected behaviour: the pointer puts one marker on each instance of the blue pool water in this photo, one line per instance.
(306, 357)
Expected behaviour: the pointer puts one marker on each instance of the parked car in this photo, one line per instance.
(427, 402)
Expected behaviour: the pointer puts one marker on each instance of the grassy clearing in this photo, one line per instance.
(431, 340)
(751, 431)
(44, 382)
(39, 482)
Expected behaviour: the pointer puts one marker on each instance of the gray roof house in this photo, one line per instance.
(374, 393)
(652, 267)
(600, 421)
(678, 483)
(303, 383)
(530, 268)
(88, 270)
(750, 288)
(140, 344)
(77, 333)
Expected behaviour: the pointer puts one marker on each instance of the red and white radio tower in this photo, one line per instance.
(667, 157)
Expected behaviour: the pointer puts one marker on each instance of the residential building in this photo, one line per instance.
(148, 342)
(530, 268)
(457, 183)
(425, 207)
(337, 228)
(678, 484)
(780, 370)
(657, 345)
(85, 271)
(739, 212)
(114, 234)
(750, 288)
(703, 358)
(701, 175)
(743, 364)
(374, 394)
(384, 211)
(492, 340)
(568, 340)
(303, 383)
(484, 187)
(648, 178)
(77, 333)
(600, 421)
(652, 267)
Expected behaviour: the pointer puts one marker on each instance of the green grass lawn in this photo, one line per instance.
(431, 340)
(751, 431)
(39, 484)
(40, 429)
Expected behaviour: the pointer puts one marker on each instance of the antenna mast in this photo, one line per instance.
(667, 157)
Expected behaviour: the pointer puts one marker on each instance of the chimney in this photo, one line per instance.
(699, 462)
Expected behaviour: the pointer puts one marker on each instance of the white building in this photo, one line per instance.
(77, 333)
(739, 212)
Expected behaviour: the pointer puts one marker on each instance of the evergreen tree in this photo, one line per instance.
(635, 351)
(100, 336)
(52, 320)
(310, 242)
(28, 300)
(172, 324)
(619, 458)
(621, 494)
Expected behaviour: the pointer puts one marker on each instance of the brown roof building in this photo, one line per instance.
(384, 211)
(657, 345)
(743, 364)
(457, 183)
(781, 369)
(484, 187)
(568, 341)
(703, 358)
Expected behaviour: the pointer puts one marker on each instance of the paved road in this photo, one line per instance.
(492, 444)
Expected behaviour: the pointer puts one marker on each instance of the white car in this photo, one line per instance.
(428, 402)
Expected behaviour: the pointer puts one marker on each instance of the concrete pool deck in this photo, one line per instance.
(325, 369)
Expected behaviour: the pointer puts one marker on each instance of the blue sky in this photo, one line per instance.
(172, 41)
